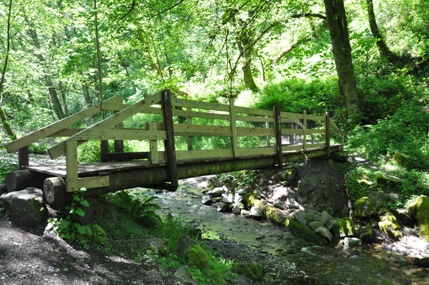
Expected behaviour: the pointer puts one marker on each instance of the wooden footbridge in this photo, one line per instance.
(173, 137)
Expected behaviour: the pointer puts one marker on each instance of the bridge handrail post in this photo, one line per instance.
(23, 157)
(327, 134)
(278, 135)
(233, 126)
(169, 144)
(153, 145)
(71, 166)
(304, 130)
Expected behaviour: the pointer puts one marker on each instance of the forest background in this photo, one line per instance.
(365, 62)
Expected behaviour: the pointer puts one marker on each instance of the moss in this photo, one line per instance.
(420, 211)
(344, 227)
(303, 231)
(275, 215)
(196, 256)
(364, 207)
(289, 174)
(390, 226)
(252, 200)
(253, 271)
(99, 236)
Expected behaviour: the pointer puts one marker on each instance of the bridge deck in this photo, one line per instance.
(106, 168)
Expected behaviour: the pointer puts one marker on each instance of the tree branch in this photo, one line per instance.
(309, 15)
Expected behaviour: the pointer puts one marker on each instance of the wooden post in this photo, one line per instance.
(71, 166)
(23, 159)
(304, 129)
(267, 126)
(104, 150)
(327, 135)
(278, 134)
(119, 144)
(189, 122)
(233, 126)
(153, 145)
(169, 143)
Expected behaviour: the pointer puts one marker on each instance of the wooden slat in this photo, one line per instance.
(199, 105)
(122, 134)
(257, 151)
(251, 111)
(286, 116)
(255, 132)
(93, 182)
(255, 119)
(53, 128)
(203, 115)
(153, 145)
(199, 130)
(203, 154)
(71, 166)
(316, 118)
(113, 120)
(233, 127)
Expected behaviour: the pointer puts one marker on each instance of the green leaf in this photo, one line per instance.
(84, 203)
(80, 212)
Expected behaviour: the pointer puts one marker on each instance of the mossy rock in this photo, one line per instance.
(389, 226)
(344, 227)
(289, 174)
(367, 234)
(340, 156)
(196, 256)
(303, 231)
(253, 271)
(365, 207)
(252, 200)
(98, 236)
(383, 179)
(420, 210)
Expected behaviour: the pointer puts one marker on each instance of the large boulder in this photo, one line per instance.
(419, 210)
(192, 252)
(26, 207)
(344, 227)
(389, 226)
(364, 208)
(253, 271)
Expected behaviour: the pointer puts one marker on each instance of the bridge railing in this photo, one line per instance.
(240, 132)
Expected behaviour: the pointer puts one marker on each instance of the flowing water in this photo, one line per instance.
(314, 264)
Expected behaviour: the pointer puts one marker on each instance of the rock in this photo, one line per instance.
(364, 208)
(256, 213)
(227, 198)
(301, 217)
(222, 207)
(184, 274)
(389, 226)
(206, 200)
(253, 271)
(289, 174)
(367, 234)
(314, 225)
(421, 262)
(388, 180)
(420, 210)
(93, 213)
(158, 246)
(325, 218)
(238, 198)
(3, 188)
(192, 252)
(352, 242)
(344, 227)
(236, 209)
(218, 191)
(324, 232)
(305, 187)
(301, 230)
(26, 207)
(98, 235)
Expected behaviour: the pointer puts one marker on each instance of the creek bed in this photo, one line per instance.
(303, 262)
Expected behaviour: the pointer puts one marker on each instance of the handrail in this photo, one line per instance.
(279, 132)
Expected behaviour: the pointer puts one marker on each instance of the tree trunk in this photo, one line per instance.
(381, 44)
(337, 21)
(3, 116)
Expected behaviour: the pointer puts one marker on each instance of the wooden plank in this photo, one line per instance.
(278, 135)
(254, 119)
(66, 133)
(23, 158)
(287, 116)
(113, 120)
(169, 143)
(203, 115)
(257, 151)
(189, 123)
(200, 130)
(293, 132)
(153, 145)
(93, 182)
(52, 128)
(252, 111)
(233, 127)
(199, 105)
(304, 128)
(327, 135)
(122, 134)
(254, 132)
(71, 166)
(203, 154)
(316, 118)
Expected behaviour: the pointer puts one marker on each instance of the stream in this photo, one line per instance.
(288, 259)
